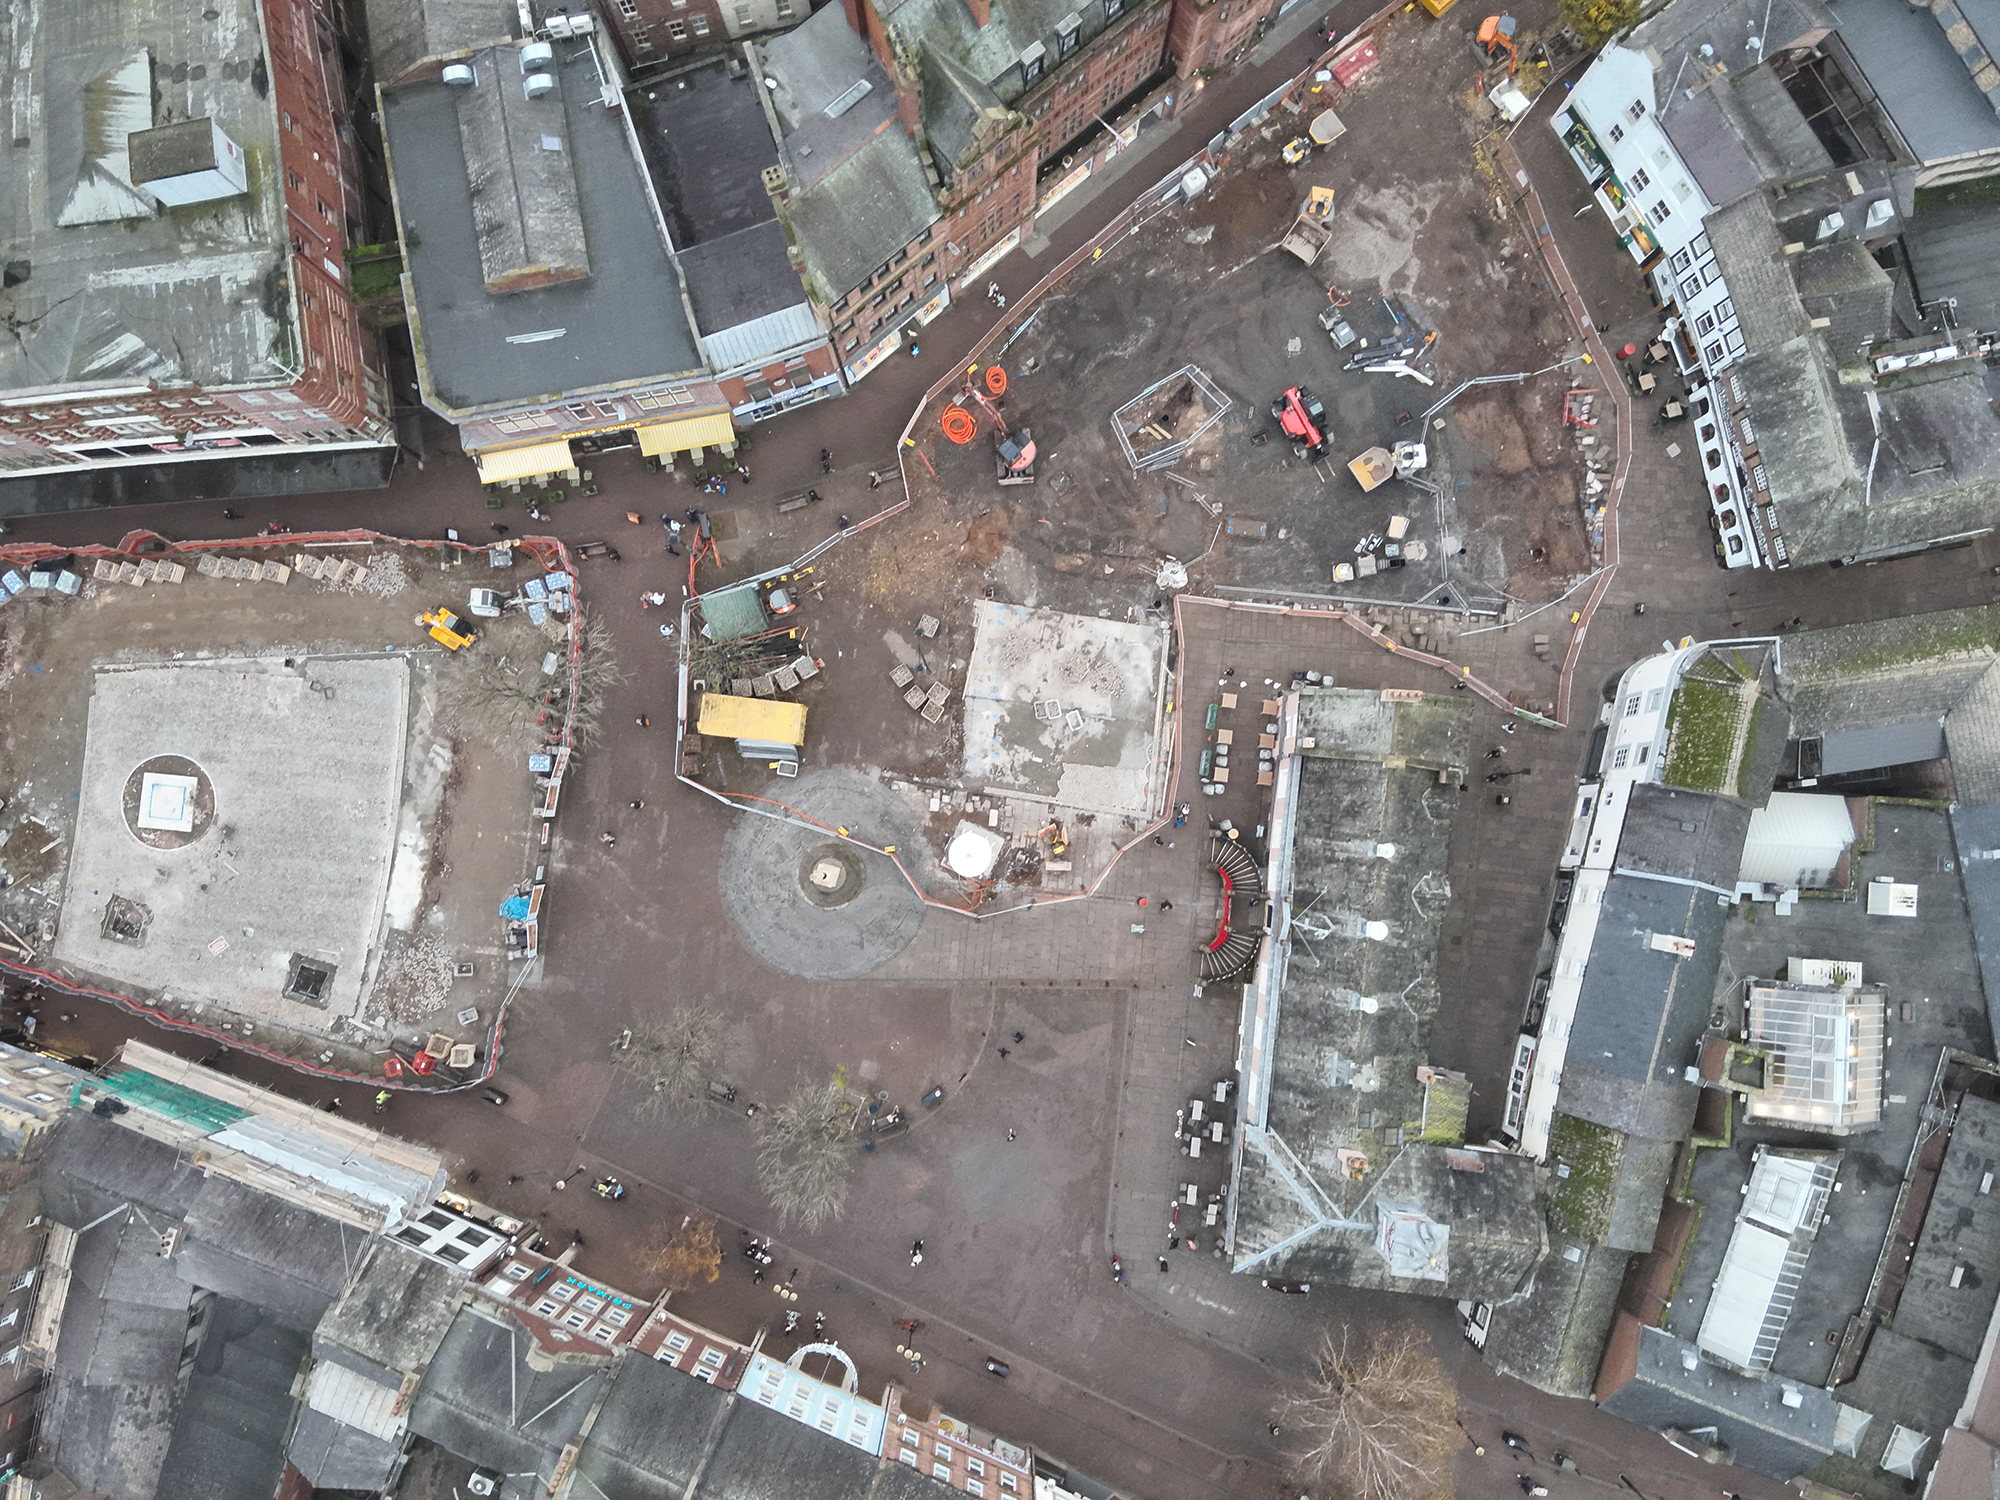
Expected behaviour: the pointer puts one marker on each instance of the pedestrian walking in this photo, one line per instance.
(228, 515)
(874, 481)
(501, 528)
(845, 523)
(1010, 1132)
(1163, 1265)
(1273, 1428)
(917, 1252)
(826, 460)
(609, 840)
(1003, 1051)
(1158, 840)
(645, 721)
(757, 1277)
(516, 1177)
(1508, 727)
(1166, 906)
(1496, 752)
(813, 496)
(637, 803)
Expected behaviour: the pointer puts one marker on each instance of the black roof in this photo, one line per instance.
(1682, 834)
(482, 1400)
(230, 1441)
(1976, 831)
(1642, 1011)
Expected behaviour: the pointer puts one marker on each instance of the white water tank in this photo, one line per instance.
(535, 85)
(537, 56)
(459, 76)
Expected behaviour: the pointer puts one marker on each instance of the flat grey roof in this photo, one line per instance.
(1765, 1434)
(192, 294)
(1920, 81)
(624, 323)
(1927, 961)
(860, 191)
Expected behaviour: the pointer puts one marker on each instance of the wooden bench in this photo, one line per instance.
(792, 503)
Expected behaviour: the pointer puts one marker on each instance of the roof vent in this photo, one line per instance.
(1793, 1397)
(535, 85)
(536, 56)
(1377, 931)
(459, 76)
(848, 100)
(1690, 1360)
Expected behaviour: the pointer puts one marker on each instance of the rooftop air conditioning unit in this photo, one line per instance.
(535, 85)
(536, 56)
(557, 26)
(483, 1482)
(581, 24)
(459, 76)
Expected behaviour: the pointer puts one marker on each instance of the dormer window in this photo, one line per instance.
(1031, 62)
(1067, 30)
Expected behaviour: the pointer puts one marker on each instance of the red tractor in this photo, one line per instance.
(1303, 418)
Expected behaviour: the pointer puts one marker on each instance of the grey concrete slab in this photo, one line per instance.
(1066, 708)
(296, 860)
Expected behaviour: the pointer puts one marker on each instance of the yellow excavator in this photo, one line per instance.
(447, 629)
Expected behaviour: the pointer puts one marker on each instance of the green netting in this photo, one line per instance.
(733, 613)
(149, 1091)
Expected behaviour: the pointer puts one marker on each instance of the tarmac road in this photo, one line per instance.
(1156, 1393)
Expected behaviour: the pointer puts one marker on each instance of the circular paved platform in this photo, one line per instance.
(767, 888)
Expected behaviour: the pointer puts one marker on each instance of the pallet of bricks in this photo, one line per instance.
(243, 569)
(146, 570)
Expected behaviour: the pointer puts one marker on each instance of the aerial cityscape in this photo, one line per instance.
(1065, 749)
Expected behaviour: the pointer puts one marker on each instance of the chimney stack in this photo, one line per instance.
(855, 19)
(982, 12)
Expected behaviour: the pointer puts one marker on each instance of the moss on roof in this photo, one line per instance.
(1582, 1202)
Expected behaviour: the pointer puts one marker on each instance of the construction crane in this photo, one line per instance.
(1496, 38)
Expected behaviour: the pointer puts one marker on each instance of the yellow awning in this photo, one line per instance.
(519, 463)
(772, 719)
(711, 431)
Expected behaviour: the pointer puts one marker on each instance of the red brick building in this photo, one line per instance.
(991, 97)
(655, 31)
(174, 304)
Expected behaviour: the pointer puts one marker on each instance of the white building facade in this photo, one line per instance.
(1612, 127)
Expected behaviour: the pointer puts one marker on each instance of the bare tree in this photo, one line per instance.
(680, 1255)
(1375, 1418)
(805, 1153)
(497, 693)
(672, 1061)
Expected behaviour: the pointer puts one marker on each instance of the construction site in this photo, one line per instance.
(293, 794)
(1314, 371)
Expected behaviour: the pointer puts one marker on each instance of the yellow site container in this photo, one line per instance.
(771, 720)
